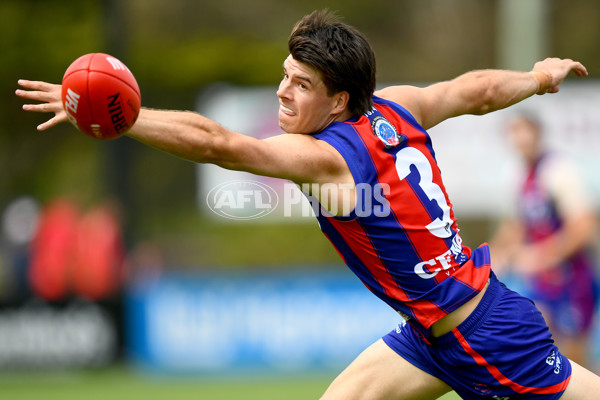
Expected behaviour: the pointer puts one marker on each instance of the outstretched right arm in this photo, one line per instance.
(185, 134)
(191, 136)
(182, 133)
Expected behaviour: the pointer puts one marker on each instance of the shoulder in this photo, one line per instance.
(399, 109)
(299, 144)
(405, 96)
(309, 159)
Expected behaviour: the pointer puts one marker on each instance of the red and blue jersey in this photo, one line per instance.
(402, 238)
(537, 208)
(568, 289)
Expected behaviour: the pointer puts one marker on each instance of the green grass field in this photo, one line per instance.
(122, 383)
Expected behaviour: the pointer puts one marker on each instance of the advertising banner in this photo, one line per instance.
(272, 323)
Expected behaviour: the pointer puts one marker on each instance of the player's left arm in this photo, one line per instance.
(480, 92)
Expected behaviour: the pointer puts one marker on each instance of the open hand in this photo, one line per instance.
(50, 97)
(557, 70)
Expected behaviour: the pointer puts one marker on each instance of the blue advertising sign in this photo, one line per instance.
(296, 322)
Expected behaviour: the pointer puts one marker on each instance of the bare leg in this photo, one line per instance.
(380, 373)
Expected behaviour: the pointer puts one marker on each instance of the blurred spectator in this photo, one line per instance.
(545, 241)
(19, 224)
(99, 254)
(52, 250)
(76, 253)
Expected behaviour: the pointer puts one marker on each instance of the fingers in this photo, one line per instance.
(49, 96)
(37, 96)
(57, 119)
(39, 91)
(567, 65)
(575, 66)
(580, 69)
(37, 85)
(54, 107)
(555, 89)
(559, 69)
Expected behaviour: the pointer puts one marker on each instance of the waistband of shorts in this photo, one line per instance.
(477, 317)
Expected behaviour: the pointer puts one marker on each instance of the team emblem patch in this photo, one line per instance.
(386, 132)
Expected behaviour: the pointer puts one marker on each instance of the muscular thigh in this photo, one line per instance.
(380, 373)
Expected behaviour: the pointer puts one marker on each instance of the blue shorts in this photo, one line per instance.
(503, 349)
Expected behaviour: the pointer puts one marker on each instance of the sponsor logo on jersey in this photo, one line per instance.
(402, 324)
(555, 361)
(430, 268)
(386, 132)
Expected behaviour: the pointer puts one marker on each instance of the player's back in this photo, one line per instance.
(402, 238)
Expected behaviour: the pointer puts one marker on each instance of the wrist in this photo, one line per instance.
(544, 81)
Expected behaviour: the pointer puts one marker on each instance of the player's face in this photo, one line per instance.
(304, 105)
(525, 137)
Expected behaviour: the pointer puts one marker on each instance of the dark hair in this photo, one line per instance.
(342, 55)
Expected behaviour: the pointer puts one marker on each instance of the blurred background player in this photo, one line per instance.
(545, 241)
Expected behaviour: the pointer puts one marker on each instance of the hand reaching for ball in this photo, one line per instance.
(50, 96)
(99, 96)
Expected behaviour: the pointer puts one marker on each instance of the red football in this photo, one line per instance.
(100, 96)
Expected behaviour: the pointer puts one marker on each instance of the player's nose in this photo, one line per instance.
(284, 89)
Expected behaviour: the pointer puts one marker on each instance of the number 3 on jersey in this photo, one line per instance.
(413, 166)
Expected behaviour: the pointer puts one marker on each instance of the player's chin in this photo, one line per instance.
(286, 126)
(294, 131)
(292, 128)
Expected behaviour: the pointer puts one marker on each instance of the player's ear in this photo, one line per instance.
(341, 102)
